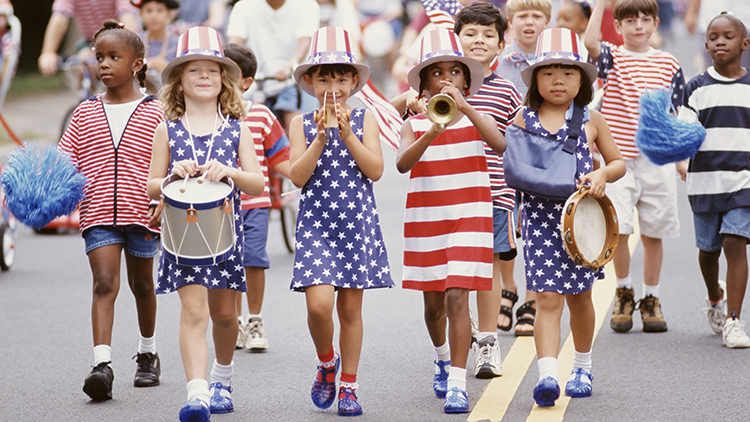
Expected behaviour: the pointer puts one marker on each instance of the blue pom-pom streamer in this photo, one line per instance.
(40, 185)
(662, 137)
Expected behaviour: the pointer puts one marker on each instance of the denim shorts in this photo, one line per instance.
(139, 241)
(504, 227)
(710, 227)
(255, 226)
(287, 100)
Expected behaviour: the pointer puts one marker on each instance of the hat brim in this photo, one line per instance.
(231, 66)
(362, 70)
(475, 70)
(587, 68)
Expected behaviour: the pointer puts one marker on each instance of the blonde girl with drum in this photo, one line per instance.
(204, 135)
(559, 89)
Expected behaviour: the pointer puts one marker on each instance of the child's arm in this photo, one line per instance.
(591, 36)
(302, 158)
(159, 161)
(410, 150)
(282, 168)
(615, 167)
(409, 100)
(486, 125)
(248, 177)
(367, 154)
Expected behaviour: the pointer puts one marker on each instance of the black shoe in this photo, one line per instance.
(149, 369)
(98, 384)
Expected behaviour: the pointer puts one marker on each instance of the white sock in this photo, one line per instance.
(250, 316)
(457, 378)
(582, 360)
(222, 373)
(483, 335)
(624, 282)
(102, 353)
(547, 368)
(198, 388)
(147, 344)
(443, 352)
(651, 290)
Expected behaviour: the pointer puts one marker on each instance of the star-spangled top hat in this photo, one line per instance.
(330, 45)
(200, 43)
(442, 45)
(171, 4)
(558, 46)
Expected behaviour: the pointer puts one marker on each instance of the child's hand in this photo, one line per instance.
(682, 167)
(214, 171)
(456, 94)
(342, 117)
(435, 130)
(185, 168)
(320, 123)
(154, 214)
(597, 183)
(416, 103)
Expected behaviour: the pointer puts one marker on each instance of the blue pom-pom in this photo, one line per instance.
(662, 137)
(40, 185)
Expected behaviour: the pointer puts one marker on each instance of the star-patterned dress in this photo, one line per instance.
(338, 238)
(548, 267)
(229, 274)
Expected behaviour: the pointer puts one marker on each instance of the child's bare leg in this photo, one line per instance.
(621, 259)
(141, 282)
(256, 288)
(349, 307)
(320, 301)
(653, 254)
(527, 328)
(582, 320)
(488, 301)
(459, 327)
(508, 283)
(709, 264)
(735, 250)
(221, 306)
(105, 268)
(435, 317)
(193, 325)
(549, 307)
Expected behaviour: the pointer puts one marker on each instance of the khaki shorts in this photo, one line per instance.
(652, 190)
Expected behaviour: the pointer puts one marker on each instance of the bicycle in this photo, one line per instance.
(80, 76)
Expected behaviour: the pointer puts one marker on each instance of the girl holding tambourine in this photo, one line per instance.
(559, 90)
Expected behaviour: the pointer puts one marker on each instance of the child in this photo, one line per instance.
(559, 91)
(161, 44)
(335, 157)
(109, 140)
(574, 15)
(527, 19)
(481, 27)
(716, 180)
(272, 148)
(448, 221)
(204, 134)
(626, 72)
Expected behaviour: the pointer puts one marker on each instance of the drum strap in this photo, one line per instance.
(574, 130)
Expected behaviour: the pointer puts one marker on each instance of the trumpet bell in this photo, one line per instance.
(441, 109)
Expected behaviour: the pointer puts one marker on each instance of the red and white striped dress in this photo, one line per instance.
(448, 220)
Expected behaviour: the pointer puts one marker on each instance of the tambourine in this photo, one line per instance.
(589, 229)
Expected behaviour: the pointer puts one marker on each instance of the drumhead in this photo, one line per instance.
(590, 229)
(196, 193)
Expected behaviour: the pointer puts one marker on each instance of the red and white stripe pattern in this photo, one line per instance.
(330, 45)
(442, 12)
(440, 43)
(558, 43)
(200, 40)
(448, 235)
(389, 121)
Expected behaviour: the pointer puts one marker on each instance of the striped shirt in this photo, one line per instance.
(448, 219)
(498, 98)
(271, 146)
(626, 75)
(91, 14)
(718, 178)
(115, 191)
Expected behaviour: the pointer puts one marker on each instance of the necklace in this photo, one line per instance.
(213, 134)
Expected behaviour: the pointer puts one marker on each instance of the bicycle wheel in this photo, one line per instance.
(288, 213)
(66, 121)
(7, 247)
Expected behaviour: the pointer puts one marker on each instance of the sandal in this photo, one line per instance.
(525, 314)
(508, 311)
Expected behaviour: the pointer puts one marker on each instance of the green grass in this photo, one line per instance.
(31, 83)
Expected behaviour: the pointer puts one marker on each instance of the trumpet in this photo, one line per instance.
(441, 109)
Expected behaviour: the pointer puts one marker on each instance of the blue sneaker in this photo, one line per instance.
(440, 380)
(579, 384)
(456, 401)
(221, 398)
(324, 388)
(348, 405)
(546, 392)
(196, 410)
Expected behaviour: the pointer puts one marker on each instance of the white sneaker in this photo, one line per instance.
(256, 338)
(241, 334)
(487, 361)
(734, 334)
(716, 313)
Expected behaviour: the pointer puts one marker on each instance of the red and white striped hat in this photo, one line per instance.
(443, 45)
(330, 45)
(200, 43)
(559, 46)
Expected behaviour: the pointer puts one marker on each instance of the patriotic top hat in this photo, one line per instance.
(171, 4)
(330, 45)
(559, 46)
(442, 45)
(200, 43)
(6, 8)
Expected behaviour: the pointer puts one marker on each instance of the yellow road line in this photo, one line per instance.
(500, 391)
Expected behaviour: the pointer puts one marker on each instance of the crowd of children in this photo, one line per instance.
(461, 219)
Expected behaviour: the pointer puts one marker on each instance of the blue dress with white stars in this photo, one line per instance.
(338, 238)
(548, 267)
(221, 146)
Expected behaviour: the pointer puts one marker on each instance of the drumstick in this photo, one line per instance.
(289, 192)
(184, 184)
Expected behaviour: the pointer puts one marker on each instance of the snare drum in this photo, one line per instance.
(197, 221)
(589, 229)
